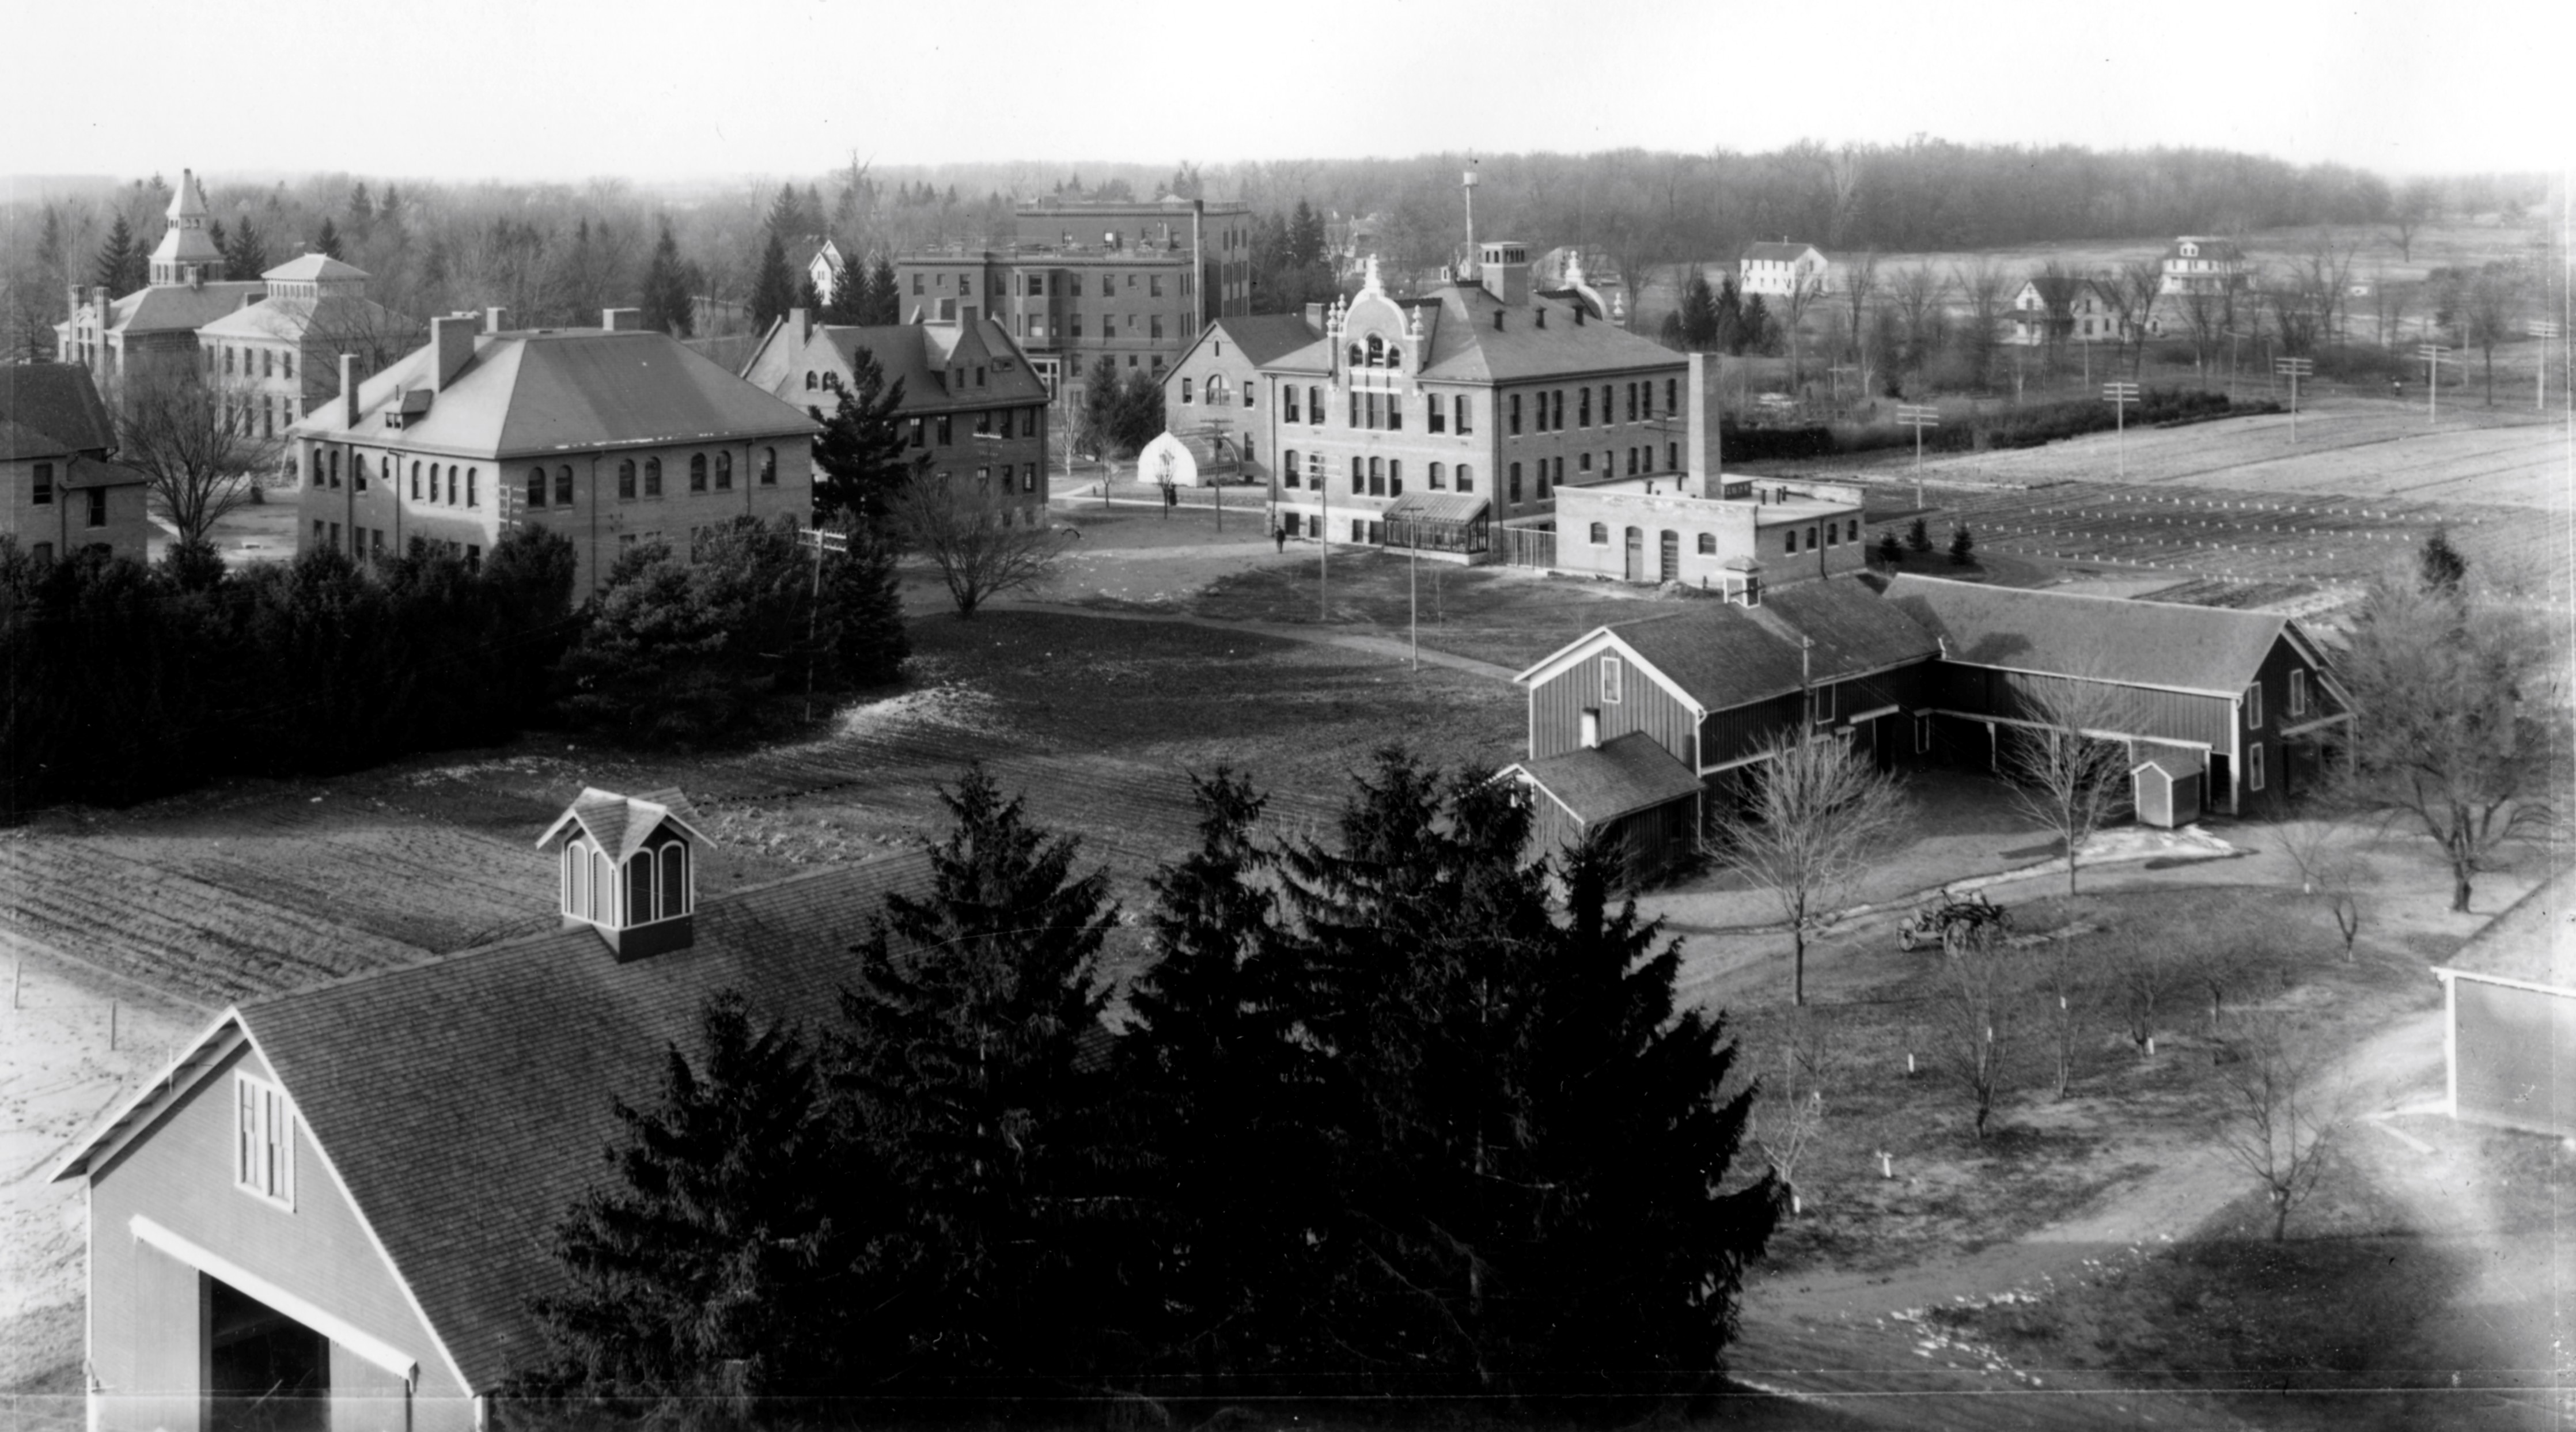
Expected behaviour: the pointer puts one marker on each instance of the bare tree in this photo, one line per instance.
(1787, 1122)
(2141, 973)
(1804, 289)
(2458, 721)
(2058, 288)
(2140, 282)
(2204, 312)
(2069, 998)
(1860, 285)
(983, 544)
(2416, 205)
(2331, 870)
(193, 438)
(1917, 293)
(2490, 306)
(2065, 775)
(1818, 819)
(2281, 1112)
(1974, 1010)
(1981, 283)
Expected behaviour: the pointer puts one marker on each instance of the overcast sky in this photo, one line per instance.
(659, 89)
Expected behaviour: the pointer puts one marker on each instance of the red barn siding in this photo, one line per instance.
(1740, 731)
(1557, 706)
(2515, 1056)
(179, 1174)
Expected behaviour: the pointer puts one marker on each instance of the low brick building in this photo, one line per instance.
(61, 491)
(611, 436)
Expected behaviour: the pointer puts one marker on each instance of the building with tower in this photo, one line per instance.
(120, 336)
(277, 355)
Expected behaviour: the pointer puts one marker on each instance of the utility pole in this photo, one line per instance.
(2120, 396)
(2432, 354)
(1323, 537)
(822, 540)
(2543, 329)
(2294, 369)
(1918, 416)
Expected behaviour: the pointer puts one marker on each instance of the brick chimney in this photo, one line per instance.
(800, 322)
(495, 319)
(622, 320)
(349, 391)
(1700, 412)
(451, 342)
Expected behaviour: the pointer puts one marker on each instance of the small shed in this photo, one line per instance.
(2166, 787)
(2509, 1016)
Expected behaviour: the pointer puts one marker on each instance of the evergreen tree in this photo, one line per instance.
(2440, 569)
(52, 251)
(773, 285)
(248, 256)
(389, 209)
(120, 266)
(961, 1058)
(884, 304)
(808, 297)
(327, 241)
(863, 601)
(1891, 552)
(666, 289)
(1753, 330)
(215, 235)
(728, 1236)
(1699, 313)
(362, 211)
(1918, 536)
(1731, 317)
(682, 652)
(1963, 545)
(861, 456)
(1306, 238)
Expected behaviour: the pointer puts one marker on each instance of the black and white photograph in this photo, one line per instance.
(1658, 716)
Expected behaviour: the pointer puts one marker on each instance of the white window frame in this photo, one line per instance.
(2254, 707)
(1820, 704)
(2253, 765)
(1613, 680)
(1922, 732)
(263, 1133)
(2298, 693)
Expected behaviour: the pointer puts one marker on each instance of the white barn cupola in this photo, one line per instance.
(628, 868)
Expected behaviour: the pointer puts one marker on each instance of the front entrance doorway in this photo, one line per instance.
(1636, 568)
(1669, 554)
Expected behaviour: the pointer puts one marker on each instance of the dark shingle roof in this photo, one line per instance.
(1265, 336)
(1717, 653)
(51, 410)
(1854, 629)
(2164, 644)
(919, 354)
(1616, 778)
(465, 1100)
(166, 307)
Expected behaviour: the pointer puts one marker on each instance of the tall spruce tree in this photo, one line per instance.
(248, 255)
(962, 1058)
(120, 265)
(773, 285)
(666, 289)
(861, 455)
(729, 1235)
(884, 300)
(326, 240)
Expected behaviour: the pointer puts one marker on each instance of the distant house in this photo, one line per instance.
(2243, 697)
(2090, 317)
(2198, 264)
(1777, 270)
(334, 1205)
(2509, 1010)
(61, 491)
(822, 264)
(612, 436)
(1212, 395)
(971, 399)
(1678, 707)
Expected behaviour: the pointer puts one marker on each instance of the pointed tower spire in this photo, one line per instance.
(186, 255)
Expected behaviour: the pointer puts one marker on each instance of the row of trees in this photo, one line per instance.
(124, 681)
(1387, 1117)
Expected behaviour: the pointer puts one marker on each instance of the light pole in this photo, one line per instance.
(1323, 536)
(2294, 369)
(1918, 416)
(2432, 354)
(2120, 396)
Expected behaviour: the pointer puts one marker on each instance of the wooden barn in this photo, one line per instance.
(1629, 787)
(2509, 1007)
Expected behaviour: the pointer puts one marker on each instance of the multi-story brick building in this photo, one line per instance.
(1083, 280)
(120, 337)
(1469, 405)
(277, 356)
(1212, 397)
(59, 491)
(971, 400)
(612, 436)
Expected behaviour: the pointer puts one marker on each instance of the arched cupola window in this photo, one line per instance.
(626, 869)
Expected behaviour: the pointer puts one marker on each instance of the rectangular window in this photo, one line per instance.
(1820, 705)
(263, 1141)
(1315, 407)
(1556, 412)
(98, 507)
(1632, 402)
(1464, 412)
(1513, 422)
(1433, 420)
(2253, 765)
(44, 484)
(1292, 404)
(2254, 707)
(947, 429)
(1288, 466)
(1583, 407)
(1155, 330)
(2298, 693)
(1153, 286)
(1515, 480)
(1672, 457)
(1672, 395)
(1610, 680)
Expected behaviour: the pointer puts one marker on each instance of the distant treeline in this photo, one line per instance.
(120, 682)
(2028, 426)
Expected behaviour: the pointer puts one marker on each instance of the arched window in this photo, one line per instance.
(1288, 468)
(1394, 357)
(1708, 544)
(536, 487)
(1439, 477)
(472, 474)
(697, 472)
(626, 479)
(652, 477)
(674, 884)
(1466, 478)
(563, 486)
(603, 887)
(1395, 477)
(724, 472)
(576, 879)
(1793, 539)
(1359, 356)
(1376, 351)
(1600, 534)
(812, 381)
(639, 888)
(769, 467)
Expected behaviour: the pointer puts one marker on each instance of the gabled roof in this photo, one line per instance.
(1463, 345)
(2534, 940)
(291, 319)
(313, 268)
(1262, 337)
(1854, 629)
(503, 1061)
(621, 824)
(1716, 653)
(2209, 650)
(1780, 252)
(557, 390)
(920, 353)
(1718, 656)
(51, 410)
(164, 308)
(1619, 777)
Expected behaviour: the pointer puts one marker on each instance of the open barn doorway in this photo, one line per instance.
(266, 1372)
